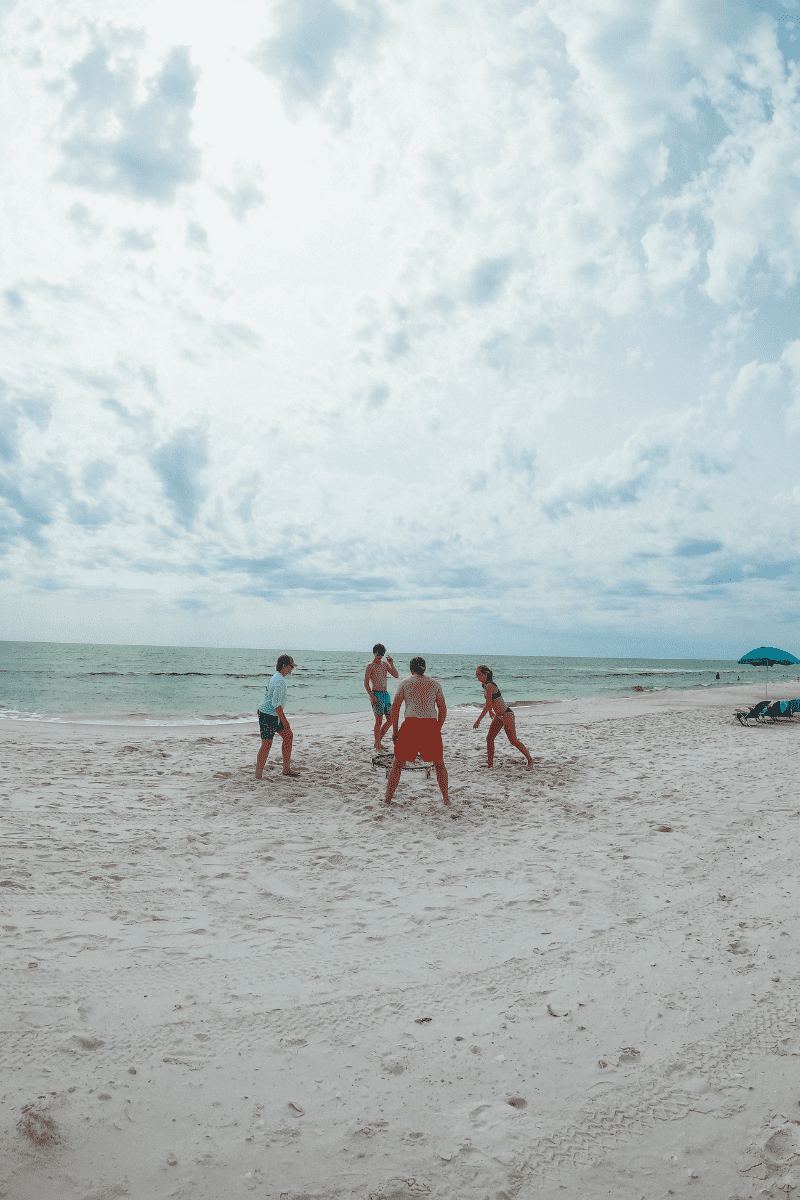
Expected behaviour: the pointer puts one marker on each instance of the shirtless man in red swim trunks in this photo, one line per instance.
(421, 730)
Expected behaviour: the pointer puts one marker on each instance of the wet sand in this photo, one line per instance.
(580, 982)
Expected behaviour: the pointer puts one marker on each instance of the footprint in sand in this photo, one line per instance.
(80, 1043)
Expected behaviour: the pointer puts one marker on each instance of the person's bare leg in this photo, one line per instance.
(378, 732)
(441, 776)
(288, 738)
(393, 780)
(511, 734)
(494, 729)
(382, 733)
(263, 755)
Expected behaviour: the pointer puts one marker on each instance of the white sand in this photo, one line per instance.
(187, 954)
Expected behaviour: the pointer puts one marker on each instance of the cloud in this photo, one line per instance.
(518, 458)
(487, 280)
(30, 491)
(49, 583)
(91, 516)
(84, 221)
(790, 359)
(196, 236)
(241, 199)
(236, 333)
(14, 411)
(135, 239)
(133, 420)
(276, 575)
(120, 143)
(753, 382)
(178, 463)
(311, 38)
(378, 395)
(693, 549)
(672, 255)
(95, 474)
(739, 572)
(614, 482)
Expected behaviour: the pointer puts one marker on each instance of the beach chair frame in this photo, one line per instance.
(756, 713)
(387, 762)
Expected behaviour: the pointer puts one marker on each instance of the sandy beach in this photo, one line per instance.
(579, 982)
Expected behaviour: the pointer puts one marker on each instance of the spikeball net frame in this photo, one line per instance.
(386, 761)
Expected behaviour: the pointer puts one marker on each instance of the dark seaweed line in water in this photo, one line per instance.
(146, 674)
(646, 674)
(178, 674)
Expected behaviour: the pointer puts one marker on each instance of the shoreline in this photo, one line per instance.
(600, 707)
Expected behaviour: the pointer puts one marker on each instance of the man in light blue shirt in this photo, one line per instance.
(272, 719)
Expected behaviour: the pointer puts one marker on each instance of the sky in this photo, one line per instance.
(469, 327)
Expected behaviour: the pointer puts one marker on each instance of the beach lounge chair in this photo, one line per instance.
(782, 710)
(756, 713)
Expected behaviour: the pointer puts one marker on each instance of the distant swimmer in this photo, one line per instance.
(421, 731)
(502, 716)
(375, 687)
(272, 719)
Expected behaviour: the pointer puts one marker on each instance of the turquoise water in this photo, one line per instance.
(168, 685)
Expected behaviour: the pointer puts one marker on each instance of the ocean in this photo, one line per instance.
(173, 685)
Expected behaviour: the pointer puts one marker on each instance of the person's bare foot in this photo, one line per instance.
(294, 774)
(259, 776)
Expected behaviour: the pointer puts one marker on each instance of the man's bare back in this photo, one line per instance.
(422, 694)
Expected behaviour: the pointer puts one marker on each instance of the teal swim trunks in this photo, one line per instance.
(381, 703)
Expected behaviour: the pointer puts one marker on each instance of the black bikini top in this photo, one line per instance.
(496, 692)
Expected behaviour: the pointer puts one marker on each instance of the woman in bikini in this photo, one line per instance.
(502, 715)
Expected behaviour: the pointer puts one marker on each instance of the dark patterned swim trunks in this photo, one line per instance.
(381, 703)
(269, 726)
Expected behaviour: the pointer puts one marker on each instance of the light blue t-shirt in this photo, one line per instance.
(275, 695)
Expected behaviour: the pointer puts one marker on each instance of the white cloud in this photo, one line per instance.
(791, 360)
(753, 382)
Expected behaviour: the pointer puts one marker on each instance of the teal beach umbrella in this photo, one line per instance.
(769, 656)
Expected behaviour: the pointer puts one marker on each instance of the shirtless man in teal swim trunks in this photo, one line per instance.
(375, 687)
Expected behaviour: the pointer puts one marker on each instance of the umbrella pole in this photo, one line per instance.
(766, 691)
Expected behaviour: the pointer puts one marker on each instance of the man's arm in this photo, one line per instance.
(442, 707)
(395, 713)
(392, 669)
(282, 716)
(368, 680)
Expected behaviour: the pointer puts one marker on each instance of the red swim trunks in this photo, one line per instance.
(419, 735)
